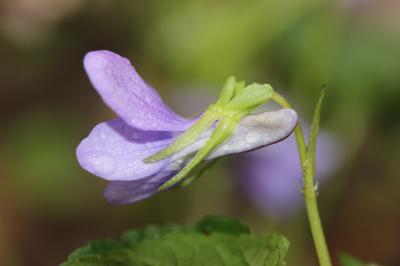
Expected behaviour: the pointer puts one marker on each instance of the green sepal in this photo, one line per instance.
(187, 138)
(222, 131)
(236, 100)
(250, 98)
(240, 85)
(200, 170)
(227, 91)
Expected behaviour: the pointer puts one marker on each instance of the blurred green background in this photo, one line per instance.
(186, 49)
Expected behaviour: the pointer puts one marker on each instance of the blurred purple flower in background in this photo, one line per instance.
(271, 178)
(115, 150)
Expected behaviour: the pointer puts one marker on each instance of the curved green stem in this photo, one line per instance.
(310, 195)
(301, 145)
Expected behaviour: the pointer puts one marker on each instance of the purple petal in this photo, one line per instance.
(124, 91)
(125, 192)
(257, 131)
(254, 131)
(115, 151)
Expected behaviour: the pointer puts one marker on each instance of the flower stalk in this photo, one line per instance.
(307, 159)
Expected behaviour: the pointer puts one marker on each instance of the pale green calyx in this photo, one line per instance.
(235, 101)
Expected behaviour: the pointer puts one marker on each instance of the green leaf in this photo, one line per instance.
(133, 237)
(214, 223)
(213, 241)
(348, 260)
(195, 248)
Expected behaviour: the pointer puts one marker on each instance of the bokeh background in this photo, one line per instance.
(186, 49)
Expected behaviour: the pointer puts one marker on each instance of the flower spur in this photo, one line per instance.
(150, 147)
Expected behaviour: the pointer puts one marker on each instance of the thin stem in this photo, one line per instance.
(301, 146)
(310, 196)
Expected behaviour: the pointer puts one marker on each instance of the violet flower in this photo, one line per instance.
(271, 178)
(115, 150)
